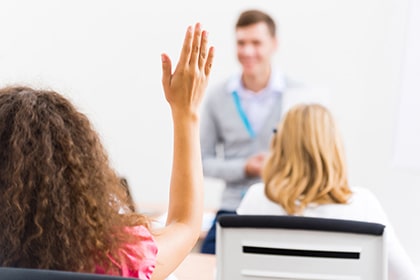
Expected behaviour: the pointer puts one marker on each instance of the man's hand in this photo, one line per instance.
(254, 165)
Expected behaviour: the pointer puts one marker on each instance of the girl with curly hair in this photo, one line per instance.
(63, 206)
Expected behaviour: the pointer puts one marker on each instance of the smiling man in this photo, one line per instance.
(239, 115)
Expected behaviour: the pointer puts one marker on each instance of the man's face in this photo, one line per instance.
(255, 47)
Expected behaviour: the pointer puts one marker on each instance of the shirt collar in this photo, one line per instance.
(277, 82)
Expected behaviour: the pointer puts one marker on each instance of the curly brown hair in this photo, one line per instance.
(63, 206)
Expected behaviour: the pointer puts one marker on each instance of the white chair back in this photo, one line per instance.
(299, 248)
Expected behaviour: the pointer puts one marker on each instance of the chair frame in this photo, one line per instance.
(14, 273)
(294, 247)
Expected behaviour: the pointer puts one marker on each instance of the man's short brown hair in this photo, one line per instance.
(251, 17)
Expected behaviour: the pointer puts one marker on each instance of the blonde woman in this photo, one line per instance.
(305, 174)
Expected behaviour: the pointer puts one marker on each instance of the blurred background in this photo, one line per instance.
(105, 57)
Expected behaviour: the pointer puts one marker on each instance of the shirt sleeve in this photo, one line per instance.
(146, 248)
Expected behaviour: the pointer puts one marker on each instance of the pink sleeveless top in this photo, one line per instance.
(131, 265)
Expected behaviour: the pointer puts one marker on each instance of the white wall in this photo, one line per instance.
(105, 56)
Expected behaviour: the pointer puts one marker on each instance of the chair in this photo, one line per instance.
(13, 273)
(290, 247)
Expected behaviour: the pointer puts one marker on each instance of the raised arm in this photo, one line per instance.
(184, 90)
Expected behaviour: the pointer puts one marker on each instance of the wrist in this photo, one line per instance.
(185, 115)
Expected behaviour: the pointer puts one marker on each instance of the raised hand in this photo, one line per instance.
(184, 90)
(185, 87)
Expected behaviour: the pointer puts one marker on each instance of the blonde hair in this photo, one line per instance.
(306, 162)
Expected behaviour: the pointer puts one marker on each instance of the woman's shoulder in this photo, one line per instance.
(361, 193)
(255, 202)
(256, 188)
(255, 192)
(366, 200)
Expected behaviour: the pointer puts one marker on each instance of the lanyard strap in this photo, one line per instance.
(242, 114)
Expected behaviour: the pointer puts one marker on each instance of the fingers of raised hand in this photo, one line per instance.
(186, 48)
(166, 70)
(200, 50)
(209, 62)
(203, 50)
(195, 51)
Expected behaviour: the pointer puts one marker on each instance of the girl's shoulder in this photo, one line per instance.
(138, 257)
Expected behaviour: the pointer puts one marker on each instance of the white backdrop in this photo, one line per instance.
(105, 56)
(407, 136)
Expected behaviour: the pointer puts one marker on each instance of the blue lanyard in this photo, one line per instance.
(243, 115)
